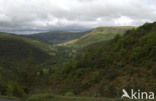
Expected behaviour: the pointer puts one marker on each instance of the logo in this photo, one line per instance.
(137, 94)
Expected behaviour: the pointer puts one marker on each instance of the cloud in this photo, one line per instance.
(73, 15)
(123, 20)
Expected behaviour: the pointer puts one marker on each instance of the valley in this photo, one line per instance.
(78, 66)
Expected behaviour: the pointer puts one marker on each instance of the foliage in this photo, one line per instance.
(101, 68)
(97, 35)
(20, 61)
(69, 93)
(126, 61)
(47, 97)
(14, 89)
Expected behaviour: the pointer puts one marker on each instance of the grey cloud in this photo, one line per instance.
(72, 15)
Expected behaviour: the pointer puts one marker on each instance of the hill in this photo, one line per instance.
(21, 62)
(25, 63)
(105, 68)
(18, 48)
(55, 37)
(97, 35)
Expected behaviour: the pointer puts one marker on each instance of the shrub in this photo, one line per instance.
(2, 87)
(70, 93)
(79, 72)
(14, 89)
(96, 77)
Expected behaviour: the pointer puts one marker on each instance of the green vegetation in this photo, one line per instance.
(50, 97)
(21, 62)
(11, 98)
(35, 43)
(107, 60)
(55, 37)
(17, 49)
(105, 68)
(97, 35)
(25, 64)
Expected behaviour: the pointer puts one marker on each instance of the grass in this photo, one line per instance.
(97, 35)
(9, 97)
(51, 97)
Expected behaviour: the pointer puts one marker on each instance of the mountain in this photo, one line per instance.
(21, 61)
(55, 37)
(18, 48)
(97, 35)
(100, 68)
(105, 68)
(25, 63)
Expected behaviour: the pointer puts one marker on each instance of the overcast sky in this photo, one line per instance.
(27, 16)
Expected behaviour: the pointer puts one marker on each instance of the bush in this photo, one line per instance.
(79, 72)
(70, 93)
(14, 89)
(2, 87)
(96, 77)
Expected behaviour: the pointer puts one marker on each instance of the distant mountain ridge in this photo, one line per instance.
(55, 37)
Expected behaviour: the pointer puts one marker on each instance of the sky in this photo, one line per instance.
(33, 16)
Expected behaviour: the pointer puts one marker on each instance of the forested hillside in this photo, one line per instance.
(97, 35)
(21, 62)
(25, 63)
(102, 68)
(18, 49)
(105, 68)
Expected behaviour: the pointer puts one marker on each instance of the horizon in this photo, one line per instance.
(47, 31)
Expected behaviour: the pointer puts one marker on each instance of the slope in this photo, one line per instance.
(21, 62)
(97, 35)
(105, 68)
(16, 48)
